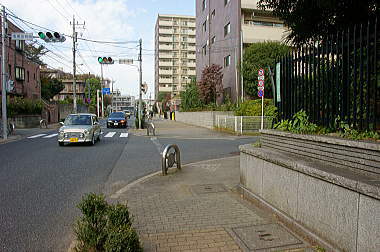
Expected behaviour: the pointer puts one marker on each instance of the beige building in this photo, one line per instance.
(224, 29)
(174, 53)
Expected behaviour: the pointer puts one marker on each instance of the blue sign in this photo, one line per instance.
(260, 93)
(106, 91)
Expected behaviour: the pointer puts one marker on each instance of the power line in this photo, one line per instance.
(59, 12)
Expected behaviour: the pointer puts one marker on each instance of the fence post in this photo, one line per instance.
(236, 130)
(241, 125)
(225, 122)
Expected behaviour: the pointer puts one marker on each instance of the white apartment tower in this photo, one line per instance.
(174, 54)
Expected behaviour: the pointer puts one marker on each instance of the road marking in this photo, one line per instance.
(39, 135)
(110, 134)
(123, 134)
(50, 136)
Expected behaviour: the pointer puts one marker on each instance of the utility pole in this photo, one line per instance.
(140, 95)
(4, 77)
(112, 97)
(75, 34)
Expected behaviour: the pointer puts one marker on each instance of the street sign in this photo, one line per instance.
(278, 82)
(261, 83)
(260, 93)
(126, 61)
(261, 72)
(106, 91)
(21, 36)
(260, 77)
(260, 88)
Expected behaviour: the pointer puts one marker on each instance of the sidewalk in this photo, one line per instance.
(198, 209)
(23, 133)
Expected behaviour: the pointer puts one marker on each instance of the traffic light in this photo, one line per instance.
(52, 37)
(144, 88)
(105, 60)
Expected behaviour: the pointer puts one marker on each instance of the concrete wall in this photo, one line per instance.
(26, 121)
(344, 217)
(202, 119)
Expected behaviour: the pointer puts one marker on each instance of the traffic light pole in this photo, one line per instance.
(140, 95)
(4, 77)
(101, 88)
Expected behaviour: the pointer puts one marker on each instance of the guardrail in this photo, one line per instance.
(168, 158)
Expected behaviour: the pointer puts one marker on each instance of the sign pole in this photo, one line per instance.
(4, 78)
(260, 87)
(262, 112)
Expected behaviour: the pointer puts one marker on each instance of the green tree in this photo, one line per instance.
(210, 85)
(162, 96)
(50, 87)
(190, 97)
(260, 55)
(314, 19)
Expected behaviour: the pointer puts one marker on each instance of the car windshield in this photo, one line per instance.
(117, 115)
(78, 120)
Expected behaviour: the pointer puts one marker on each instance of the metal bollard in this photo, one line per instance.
(151, 129)
(169, 159)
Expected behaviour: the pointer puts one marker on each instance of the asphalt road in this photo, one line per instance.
(41, 183)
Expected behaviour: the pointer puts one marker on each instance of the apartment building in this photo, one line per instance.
(223, 29)
(68, 91)
(23, 75)
(175, 54)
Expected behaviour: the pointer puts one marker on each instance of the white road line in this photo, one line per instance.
(39, 135)
(110, 134)
(123, 134)
(50, 136)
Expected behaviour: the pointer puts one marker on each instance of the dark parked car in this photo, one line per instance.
(117, 119)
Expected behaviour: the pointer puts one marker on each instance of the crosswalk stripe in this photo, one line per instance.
(123, 134)
(39, 135)
(50, 136)
(110, 134)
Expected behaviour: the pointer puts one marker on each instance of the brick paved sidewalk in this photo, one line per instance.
(198, 209)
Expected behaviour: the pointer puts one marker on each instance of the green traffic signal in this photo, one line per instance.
(42, 35)
(100, 59)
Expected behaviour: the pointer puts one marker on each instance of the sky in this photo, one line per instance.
(104, 20)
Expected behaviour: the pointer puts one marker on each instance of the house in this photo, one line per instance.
(23, 75)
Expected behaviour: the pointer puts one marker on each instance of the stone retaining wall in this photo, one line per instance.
(26, 121)
(204, 119)
(336, 201)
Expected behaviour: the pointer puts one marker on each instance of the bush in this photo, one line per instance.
(104, 227)
(298, 124)
(24, 106)
(253, 108)
(190, 99)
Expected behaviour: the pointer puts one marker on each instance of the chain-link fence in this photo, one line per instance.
(242, 124)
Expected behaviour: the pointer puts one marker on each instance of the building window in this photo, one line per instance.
(20, 45)
(20, 73)
(212, 14)
(226, 2)
(27, 76)
(204, 5)
(204, 51)
(227, 61)
(227, 29)
(204, 26)
(212, 40)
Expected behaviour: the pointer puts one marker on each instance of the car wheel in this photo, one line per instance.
(108, 127)
(98, 139)
(61, 143)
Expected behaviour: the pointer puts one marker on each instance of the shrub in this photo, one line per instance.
(253, 108)
(24, 106)
(298, 124)
(104, 227)
(190, 99)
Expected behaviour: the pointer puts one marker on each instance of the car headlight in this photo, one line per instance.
(66, 135)
(86, 132)
(81, 135)
(109, 121)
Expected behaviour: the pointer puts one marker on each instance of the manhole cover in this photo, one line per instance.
(208, 188)
(267, 236)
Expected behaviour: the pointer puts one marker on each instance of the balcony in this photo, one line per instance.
(165, 72)
(165, 47)
(165, 31)
(191, 40)
(165, 39)
(191, 24)
(191, 72)
(191, 64)
(191, 48)
(165, 81)
(165, 89)
(259, 33)
(191, 56)
(248, 4)
(165, 63)
(165, 56)
(191, 32)
(165, 23)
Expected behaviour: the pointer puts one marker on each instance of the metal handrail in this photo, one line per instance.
(169, 159)
(151, 128)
